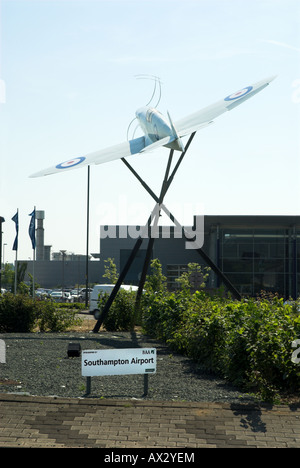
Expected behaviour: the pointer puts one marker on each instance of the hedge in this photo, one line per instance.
(247, 342)
(22, 314)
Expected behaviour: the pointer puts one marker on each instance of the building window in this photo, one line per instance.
(174, 272)
(258, 259)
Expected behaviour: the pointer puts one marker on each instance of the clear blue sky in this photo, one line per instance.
(69, 69)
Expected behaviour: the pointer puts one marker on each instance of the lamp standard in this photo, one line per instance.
(2, 220)
(63, 252)
(87, 240)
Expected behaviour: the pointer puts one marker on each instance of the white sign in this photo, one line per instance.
(2, 352)
(118, 361)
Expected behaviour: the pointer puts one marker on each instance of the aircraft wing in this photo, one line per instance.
(200, 119)
(122, 150)
(185, 126)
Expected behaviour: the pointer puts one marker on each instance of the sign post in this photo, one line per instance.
(118, 362)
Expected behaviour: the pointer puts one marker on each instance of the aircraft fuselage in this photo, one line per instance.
(156, 127)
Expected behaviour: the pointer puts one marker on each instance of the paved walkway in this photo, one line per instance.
(27, 421)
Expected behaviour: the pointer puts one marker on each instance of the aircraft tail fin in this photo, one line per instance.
(177, 144)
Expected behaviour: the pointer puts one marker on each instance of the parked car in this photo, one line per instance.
(85, 291)
(67, 296)
(59, 296)
(41, 293)
(76, 296)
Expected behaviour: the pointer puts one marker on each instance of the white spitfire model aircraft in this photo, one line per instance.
(160, 131)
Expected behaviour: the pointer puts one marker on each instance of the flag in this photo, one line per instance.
(31, 229)
(15, 218)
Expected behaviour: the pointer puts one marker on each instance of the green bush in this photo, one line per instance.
(163, 313)
(121, 313)
(17, 313)
(247, 342)
(51, 318)
(156, 281)
(70, 305)
(22, 314)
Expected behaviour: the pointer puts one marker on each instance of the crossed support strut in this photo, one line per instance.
(154, 217)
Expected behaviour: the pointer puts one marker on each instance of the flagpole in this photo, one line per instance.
(31, 232)
(16, 271)
(33, 275)
(33, 265)
(15, 218)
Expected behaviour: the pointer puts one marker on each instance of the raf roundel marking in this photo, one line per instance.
(239, 94)
(70, 163)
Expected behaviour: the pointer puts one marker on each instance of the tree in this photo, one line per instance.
(156, 281)
(110, 271)
(22, 288)
(194, 278)
(8, 276)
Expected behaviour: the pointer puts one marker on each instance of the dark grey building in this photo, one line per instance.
(254, 252)
(63, 273)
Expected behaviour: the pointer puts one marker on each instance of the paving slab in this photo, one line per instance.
(44, 422)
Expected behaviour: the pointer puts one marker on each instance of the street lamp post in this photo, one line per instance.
(87, 240)
(2, 220)
(63, 252)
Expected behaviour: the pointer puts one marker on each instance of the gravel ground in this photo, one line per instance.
(38, 364)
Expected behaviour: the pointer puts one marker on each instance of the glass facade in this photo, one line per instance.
(260, 259)
(173, 273)
(256, 253)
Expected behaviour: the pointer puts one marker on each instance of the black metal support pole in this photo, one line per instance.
(148, 189)
(163, 191)
(117, 285)
(213, 266)
(146, 384)
(143, 276)
(170, 179)
(220, 274)
(88, 385)
(165, 186)
(138, 243)
(201, 252)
